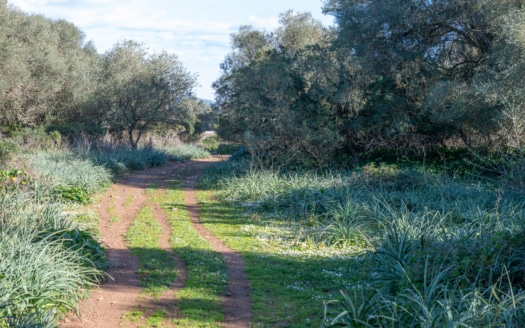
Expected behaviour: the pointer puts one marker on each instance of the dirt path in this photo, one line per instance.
(117, 210)
(237, 301)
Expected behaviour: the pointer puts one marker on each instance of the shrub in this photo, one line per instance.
(74, 194)
(211, 143)
(36, 139)
(7, 150)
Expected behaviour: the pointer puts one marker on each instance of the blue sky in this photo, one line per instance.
(197, 31)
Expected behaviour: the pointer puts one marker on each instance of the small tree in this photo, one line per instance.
(141, 89)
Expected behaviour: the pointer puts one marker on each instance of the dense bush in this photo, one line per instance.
(390, 75)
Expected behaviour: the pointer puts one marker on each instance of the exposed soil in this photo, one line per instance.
(121, 294)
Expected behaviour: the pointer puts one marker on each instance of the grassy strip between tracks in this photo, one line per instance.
(199, 302)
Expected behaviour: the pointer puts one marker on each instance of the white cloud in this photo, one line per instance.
(268, 23)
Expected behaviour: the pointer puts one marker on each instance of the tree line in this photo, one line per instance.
(51, 77)
(390, 75)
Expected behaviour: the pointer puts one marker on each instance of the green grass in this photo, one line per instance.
(406, 247)
(128, 201)
(157, 319)
(156, 266)
(186, 152)
(132, 316)
(120, 159)
(287, 283)
(48, 262)
(66, 170)
(200, 299)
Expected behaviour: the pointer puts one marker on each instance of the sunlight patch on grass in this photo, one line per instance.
(156, 266)
(289, 280)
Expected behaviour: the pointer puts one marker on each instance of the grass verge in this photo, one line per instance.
(287, 284)
(407, 248)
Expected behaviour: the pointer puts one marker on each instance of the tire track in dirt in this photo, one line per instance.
(117, 210)
(237, 303)
(120, 295)
(168, 301)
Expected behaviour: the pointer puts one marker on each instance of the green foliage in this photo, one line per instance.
(46, 70)
(140, 89)
(83, 243)
(433, 248)
(51, 77)
(118, 160)
(41, 275)
(270, 95)
(47, 262)
(37, 319)
(7, 150)
(36, 139)
(74, 194)
(73, 176)
(211, 143)
(389, 76)
(72, 130)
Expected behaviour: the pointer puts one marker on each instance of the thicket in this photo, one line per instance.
(391, 75)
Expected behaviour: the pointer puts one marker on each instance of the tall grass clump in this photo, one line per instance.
(186, 152)
(428, 273)
(70, 177)
(39, 275)
(67, 169)
(456, 259)
(47, 263)
(121, 159)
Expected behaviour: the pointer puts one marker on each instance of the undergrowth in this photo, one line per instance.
(186, 152)
(434, 250)
(48, 261)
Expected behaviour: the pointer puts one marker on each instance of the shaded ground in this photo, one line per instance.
(117, 210)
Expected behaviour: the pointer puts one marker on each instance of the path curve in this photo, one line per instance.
(119, 295)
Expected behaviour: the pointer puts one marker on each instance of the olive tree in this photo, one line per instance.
(438, 69)
(44, 69)
(264, 92)
(141, 89)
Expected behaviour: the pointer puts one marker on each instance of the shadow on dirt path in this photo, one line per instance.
(237, 304)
